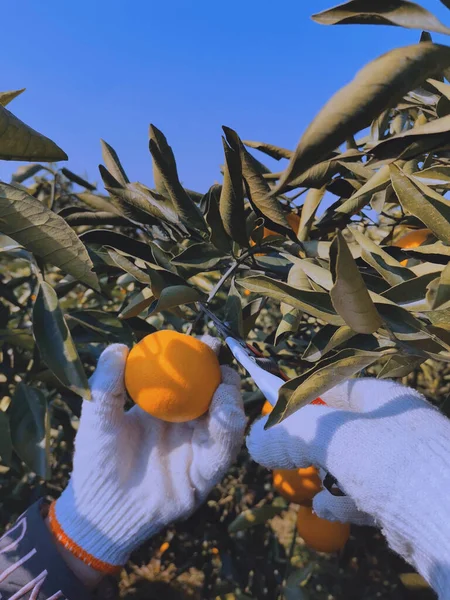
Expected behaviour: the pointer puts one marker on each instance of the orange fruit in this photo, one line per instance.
(319, 534)
(412, 239)
(297, 485)
(292, 218)
(172, 376)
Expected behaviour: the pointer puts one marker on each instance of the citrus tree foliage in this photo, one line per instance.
(86, 264)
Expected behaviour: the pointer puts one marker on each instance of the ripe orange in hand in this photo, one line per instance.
(172, 376)
(319, 534)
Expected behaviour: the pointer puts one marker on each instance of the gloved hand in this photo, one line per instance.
(134, 474)
(389, 450)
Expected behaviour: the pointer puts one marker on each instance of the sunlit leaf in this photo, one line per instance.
(423, 202)
(174, 296)
(45, 234)
(19, 142)
(273, 151)
(310, 206)
(219, 237)
(7, 97)
(378, 86)
(325, 340)
(385, 12)
(317, 304)
(400, 366)
(442, 295)
(364, 195)
(30, 428)
(138, 303)
(113, 164)
(313, 383)
(349, 294)
(55, 342)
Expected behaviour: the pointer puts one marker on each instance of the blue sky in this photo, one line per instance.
(106, 69)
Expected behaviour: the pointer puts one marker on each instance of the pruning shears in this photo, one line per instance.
(265, 372)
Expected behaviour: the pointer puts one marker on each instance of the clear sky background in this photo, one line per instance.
(107, 68)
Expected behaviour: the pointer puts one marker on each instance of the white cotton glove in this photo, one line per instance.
(134, 474)
(389, 450)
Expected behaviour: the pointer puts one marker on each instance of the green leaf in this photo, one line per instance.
(389, 268)
(7, 97)
(323, 376)
(398, 13)
(19, 142)
(349, 294)
(218, 237)
(138, 303)
(17, 337)
(257, 188)
(182, 203)
(5, 439)
(75, 219)
(402, 323)
(411, 293)
(439, 176)
(364, 195)
(106, 237)
(231, 203)
(30, 428)
(25, 172)
(309, 209)
(414, 142)
(400, 366)
(174, 296)
(233, 310)
(55, 342)
(254, 516)
(77, 179)
(129, 267)
(317, 304)
(378, 86)
(45, 234)
(250, 314)
(160, 140)
(442, 295)
(291, 316)
(113, 164)
(273, 151)
(98, 326)
(203, 256)
(326, 339)
(97, 202)
(422, 202)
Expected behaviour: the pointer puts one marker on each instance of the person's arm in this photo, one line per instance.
(389, 450)
(132, 476)
(31, 564)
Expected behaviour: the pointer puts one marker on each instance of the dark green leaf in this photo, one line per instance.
(25, 172)
(378, 86)
(55, 342)
(231, 203)
(400, 366)
(423, 202)
(385, 12)
(233, 310)
(5, 439)
(77, 179)
(250, 314)
(257, 188)
(254, 516)
(203, 256)
(44, 233)
(411, 292)
(364, 195)
(326, 339)
(106, 237)
(309, 209)
(17, 337)
(99, 326)
(129, 267)
(138, 303)
(30, 428)
(174, 296)
(442, 295)
(219, 237)
(165, 150)
(349, 294)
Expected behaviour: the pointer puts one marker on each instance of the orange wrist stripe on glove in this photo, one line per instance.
(76, 550)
